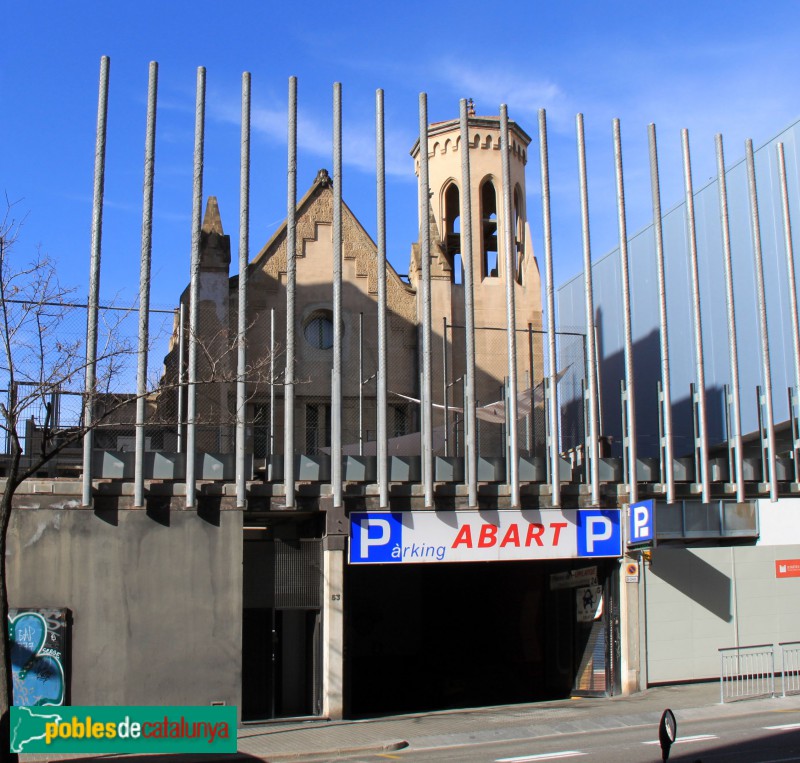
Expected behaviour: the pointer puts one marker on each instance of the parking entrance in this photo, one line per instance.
(438, 636)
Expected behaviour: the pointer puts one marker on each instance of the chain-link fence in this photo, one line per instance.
(48, 365)
(491, 388)
(43, 376)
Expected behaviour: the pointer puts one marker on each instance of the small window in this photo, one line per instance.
(318, 329)
(489, 229)
(452, 212)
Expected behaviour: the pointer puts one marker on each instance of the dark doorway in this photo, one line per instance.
(281, 629)
(437, 636)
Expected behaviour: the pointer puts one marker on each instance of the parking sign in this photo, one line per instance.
(642, 522)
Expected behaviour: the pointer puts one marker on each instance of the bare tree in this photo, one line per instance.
(38, 366)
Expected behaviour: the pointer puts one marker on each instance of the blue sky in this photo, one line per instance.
(708, 66)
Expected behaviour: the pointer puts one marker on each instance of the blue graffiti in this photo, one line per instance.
(36, 671)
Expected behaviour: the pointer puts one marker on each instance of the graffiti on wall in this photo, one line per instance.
(38, 656)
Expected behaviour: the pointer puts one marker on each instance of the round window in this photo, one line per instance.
(318, 329)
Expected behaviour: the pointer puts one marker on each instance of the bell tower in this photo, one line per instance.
(488, 225)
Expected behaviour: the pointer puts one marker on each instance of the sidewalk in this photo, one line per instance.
(328, 739)
(320, 740)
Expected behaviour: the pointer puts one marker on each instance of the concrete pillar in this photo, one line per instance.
(333, 626)
(629, 630)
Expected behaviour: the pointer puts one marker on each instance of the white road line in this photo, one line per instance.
(542, 756)
(684, 740)
(785, 727)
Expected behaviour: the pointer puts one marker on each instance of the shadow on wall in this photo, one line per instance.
(685, 571)
(647, 374)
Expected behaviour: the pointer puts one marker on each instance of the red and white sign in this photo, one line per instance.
(472, 536)
(787, 568)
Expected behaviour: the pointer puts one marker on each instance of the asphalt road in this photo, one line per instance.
(764, 737)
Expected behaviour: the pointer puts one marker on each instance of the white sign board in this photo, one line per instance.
(413, 537)
(573, 578)
(589, 603)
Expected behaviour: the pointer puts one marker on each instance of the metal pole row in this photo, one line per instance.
(380, 171)
(512, 451)
(762, 317)
(471, 452)
(592, 455)
(733, 350)
(194, 288)
(630, 400)
(666, 447)
(425, 256)
(144, 283)
(244, 257)
(291, 279)
(336, 373)
(94, 278)
(787, 232)
(552, 403)
(698, 325)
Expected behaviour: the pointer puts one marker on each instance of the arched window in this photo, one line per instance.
(519, 234)
(489, 229)
(452, 230)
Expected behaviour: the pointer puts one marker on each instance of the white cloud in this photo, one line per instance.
(315, 137)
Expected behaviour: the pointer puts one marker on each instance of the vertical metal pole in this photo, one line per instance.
(529, 416)
(762, 316)
(731, 310)
(787, 231)
(181, 372)
(291, 278)
(665, 446)
(380, 171)
(630, 398)
(552, 410)
(593, 464)
(194, 287)
(698, 324)
(144, 282)
(470, 419)
(511, 313)
(94, 279)
(244, 257)
(425, 255)
(444, 389)
(336, 383)
(361, 381)
(271, 440)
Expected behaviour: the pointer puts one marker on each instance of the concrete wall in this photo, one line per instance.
(700, 600)
(156, 604)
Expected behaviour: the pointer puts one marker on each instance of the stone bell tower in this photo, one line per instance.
(488, 225)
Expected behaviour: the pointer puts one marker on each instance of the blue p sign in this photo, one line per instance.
(642, 522)
(599, 532)
(373, 536)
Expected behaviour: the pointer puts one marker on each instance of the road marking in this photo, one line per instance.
(785, 726)
(684, 740)
(542, 756)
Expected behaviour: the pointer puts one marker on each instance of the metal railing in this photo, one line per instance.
(747, 672)
(790, 666)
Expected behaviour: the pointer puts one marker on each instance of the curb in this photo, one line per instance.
(324, 755)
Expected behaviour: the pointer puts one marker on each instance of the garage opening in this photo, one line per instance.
(438, 636)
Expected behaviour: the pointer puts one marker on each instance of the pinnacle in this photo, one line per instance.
(212, 222)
